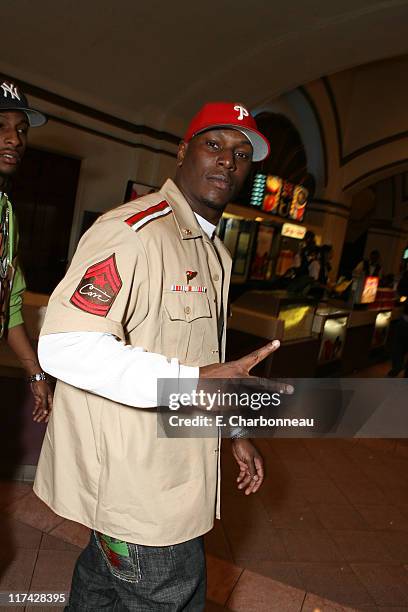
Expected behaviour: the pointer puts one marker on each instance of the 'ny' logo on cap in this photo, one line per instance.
(242, 111)
(9, 88)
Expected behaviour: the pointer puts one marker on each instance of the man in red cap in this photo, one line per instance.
(16, 117)
(145, 299)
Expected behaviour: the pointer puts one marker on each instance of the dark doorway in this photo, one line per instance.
(43, 195)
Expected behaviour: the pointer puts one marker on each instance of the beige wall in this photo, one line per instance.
(389, 230)
(371, 104)
(372, 101)
(364, 116)
(106, 165)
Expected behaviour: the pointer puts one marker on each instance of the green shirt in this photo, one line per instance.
(12, 284)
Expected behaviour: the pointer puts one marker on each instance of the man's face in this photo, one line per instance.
(13, 139)
(212, 168)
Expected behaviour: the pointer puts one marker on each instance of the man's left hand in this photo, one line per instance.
(251, 465)
(42, 401)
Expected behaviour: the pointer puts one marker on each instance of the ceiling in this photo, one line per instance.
(155, 62)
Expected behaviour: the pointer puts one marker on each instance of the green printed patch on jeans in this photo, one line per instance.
(117, 546)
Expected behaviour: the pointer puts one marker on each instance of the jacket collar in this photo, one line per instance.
(186, 221)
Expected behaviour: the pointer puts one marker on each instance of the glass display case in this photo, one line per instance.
(381, 328)
(238, 235)
(258, 313)
(261, 263)
(386, 298)
(364, 289)
(331, 324)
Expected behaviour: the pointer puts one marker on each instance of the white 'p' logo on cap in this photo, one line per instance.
(242, 111)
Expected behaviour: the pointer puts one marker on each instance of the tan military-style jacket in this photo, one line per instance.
(102, 463)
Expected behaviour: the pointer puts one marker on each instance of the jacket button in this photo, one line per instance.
(187, 310)
(216, 277)
(186, 231)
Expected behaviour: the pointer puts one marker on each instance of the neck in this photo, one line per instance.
(207, 210)
(204, 210)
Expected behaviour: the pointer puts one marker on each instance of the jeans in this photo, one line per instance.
(118, 576)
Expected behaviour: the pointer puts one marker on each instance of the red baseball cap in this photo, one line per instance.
(229, 115)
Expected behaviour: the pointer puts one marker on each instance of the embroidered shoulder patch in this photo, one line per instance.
(98, 287)
(140, 219)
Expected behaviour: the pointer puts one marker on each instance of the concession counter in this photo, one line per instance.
(330, 323)
(258, 316)
(366, 333)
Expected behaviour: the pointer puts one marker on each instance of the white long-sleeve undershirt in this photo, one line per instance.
(99, 363)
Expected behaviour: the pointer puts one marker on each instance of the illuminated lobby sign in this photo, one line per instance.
(274, 195)
(290, 230)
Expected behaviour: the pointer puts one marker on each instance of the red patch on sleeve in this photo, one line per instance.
(98, 288)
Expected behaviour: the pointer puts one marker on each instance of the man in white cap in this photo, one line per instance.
(16, 117)
(145, 298)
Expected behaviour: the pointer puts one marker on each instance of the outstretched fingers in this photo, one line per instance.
(252, 359)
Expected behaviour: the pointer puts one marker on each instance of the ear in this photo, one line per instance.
(181, 153)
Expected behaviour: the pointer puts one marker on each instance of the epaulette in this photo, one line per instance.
(140, 219)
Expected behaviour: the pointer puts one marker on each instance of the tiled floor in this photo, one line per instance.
(327, 532)
(332, 520)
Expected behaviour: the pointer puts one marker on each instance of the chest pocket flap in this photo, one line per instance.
(186, 306)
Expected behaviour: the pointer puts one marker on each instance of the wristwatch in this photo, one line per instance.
(37, 377)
